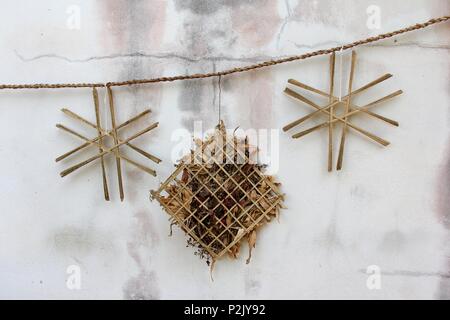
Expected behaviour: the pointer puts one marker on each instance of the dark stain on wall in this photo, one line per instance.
(143, 286)
(443, 208)
(206, 7)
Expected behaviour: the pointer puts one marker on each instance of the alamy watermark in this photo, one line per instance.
(73, 281)
(73, 21)
(373, 281)
(262, 146)
(373, 17)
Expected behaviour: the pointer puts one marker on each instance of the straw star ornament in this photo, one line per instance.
(350, 110)
(103, 149)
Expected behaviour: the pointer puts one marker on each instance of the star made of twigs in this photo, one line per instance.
(350, 109)
(104, 150)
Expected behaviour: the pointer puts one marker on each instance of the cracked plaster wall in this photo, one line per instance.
(388, 207)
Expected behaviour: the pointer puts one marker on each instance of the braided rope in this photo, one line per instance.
(233, 70)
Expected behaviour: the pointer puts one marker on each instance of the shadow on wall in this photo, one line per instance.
(443, 209)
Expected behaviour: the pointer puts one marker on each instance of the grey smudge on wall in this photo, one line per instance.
(318, 11)
(77, 241)
(145, 234)
(252, 284)
(443, 209)
(135, 27)
(241, 23)
(142, 287)
(444, 285)
(206, 7)
(358, 191)
(144, 238)
(134, 181)
(197, 98)
(330, 239)
(443, 190)
(195, 101)
(393, 242)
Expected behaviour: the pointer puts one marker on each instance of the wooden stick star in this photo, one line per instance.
(334, 102)
(103, 151)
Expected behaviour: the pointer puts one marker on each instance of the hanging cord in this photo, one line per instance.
(341, 53)
(220, 98)
(234, 70)
(105, 109)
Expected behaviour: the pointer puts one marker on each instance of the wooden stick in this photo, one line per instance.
(375, 115)
(138, 165)
(365, 87)
(84, 145)
(347, 109)
(116, 141)
(105, 133)
(91, 141)
(330, 125)
(100, 144)
(307, 131)
(67, 154)
(144, 153)
(122, 125)
(361, 109)
(389, 96)
(298, 96)
(81, 164)
(306, 87)
(371, 84)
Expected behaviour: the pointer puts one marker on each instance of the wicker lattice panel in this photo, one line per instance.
(219, 196)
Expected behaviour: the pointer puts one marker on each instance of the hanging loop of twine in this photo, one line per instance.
(341, 53)
(105, 108)
(220, 98)
(260, 65)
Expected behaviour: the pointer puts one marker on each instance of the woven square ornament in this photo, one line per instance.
(219, 195)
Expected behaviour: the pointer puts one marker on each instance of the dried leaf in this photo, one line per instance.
(229, 220)
(185, 176)
(211, 269)
(234, 251)
(251, 245)
(239, 233)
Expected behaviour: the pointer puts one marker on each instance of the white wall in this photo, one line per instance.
(389, 206)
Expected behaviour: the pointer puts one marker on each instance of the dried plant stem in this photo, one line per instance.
(347, 109)
(365, 108)
(116, 141)
(330, 124)
(320, 92)
(100, 149)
